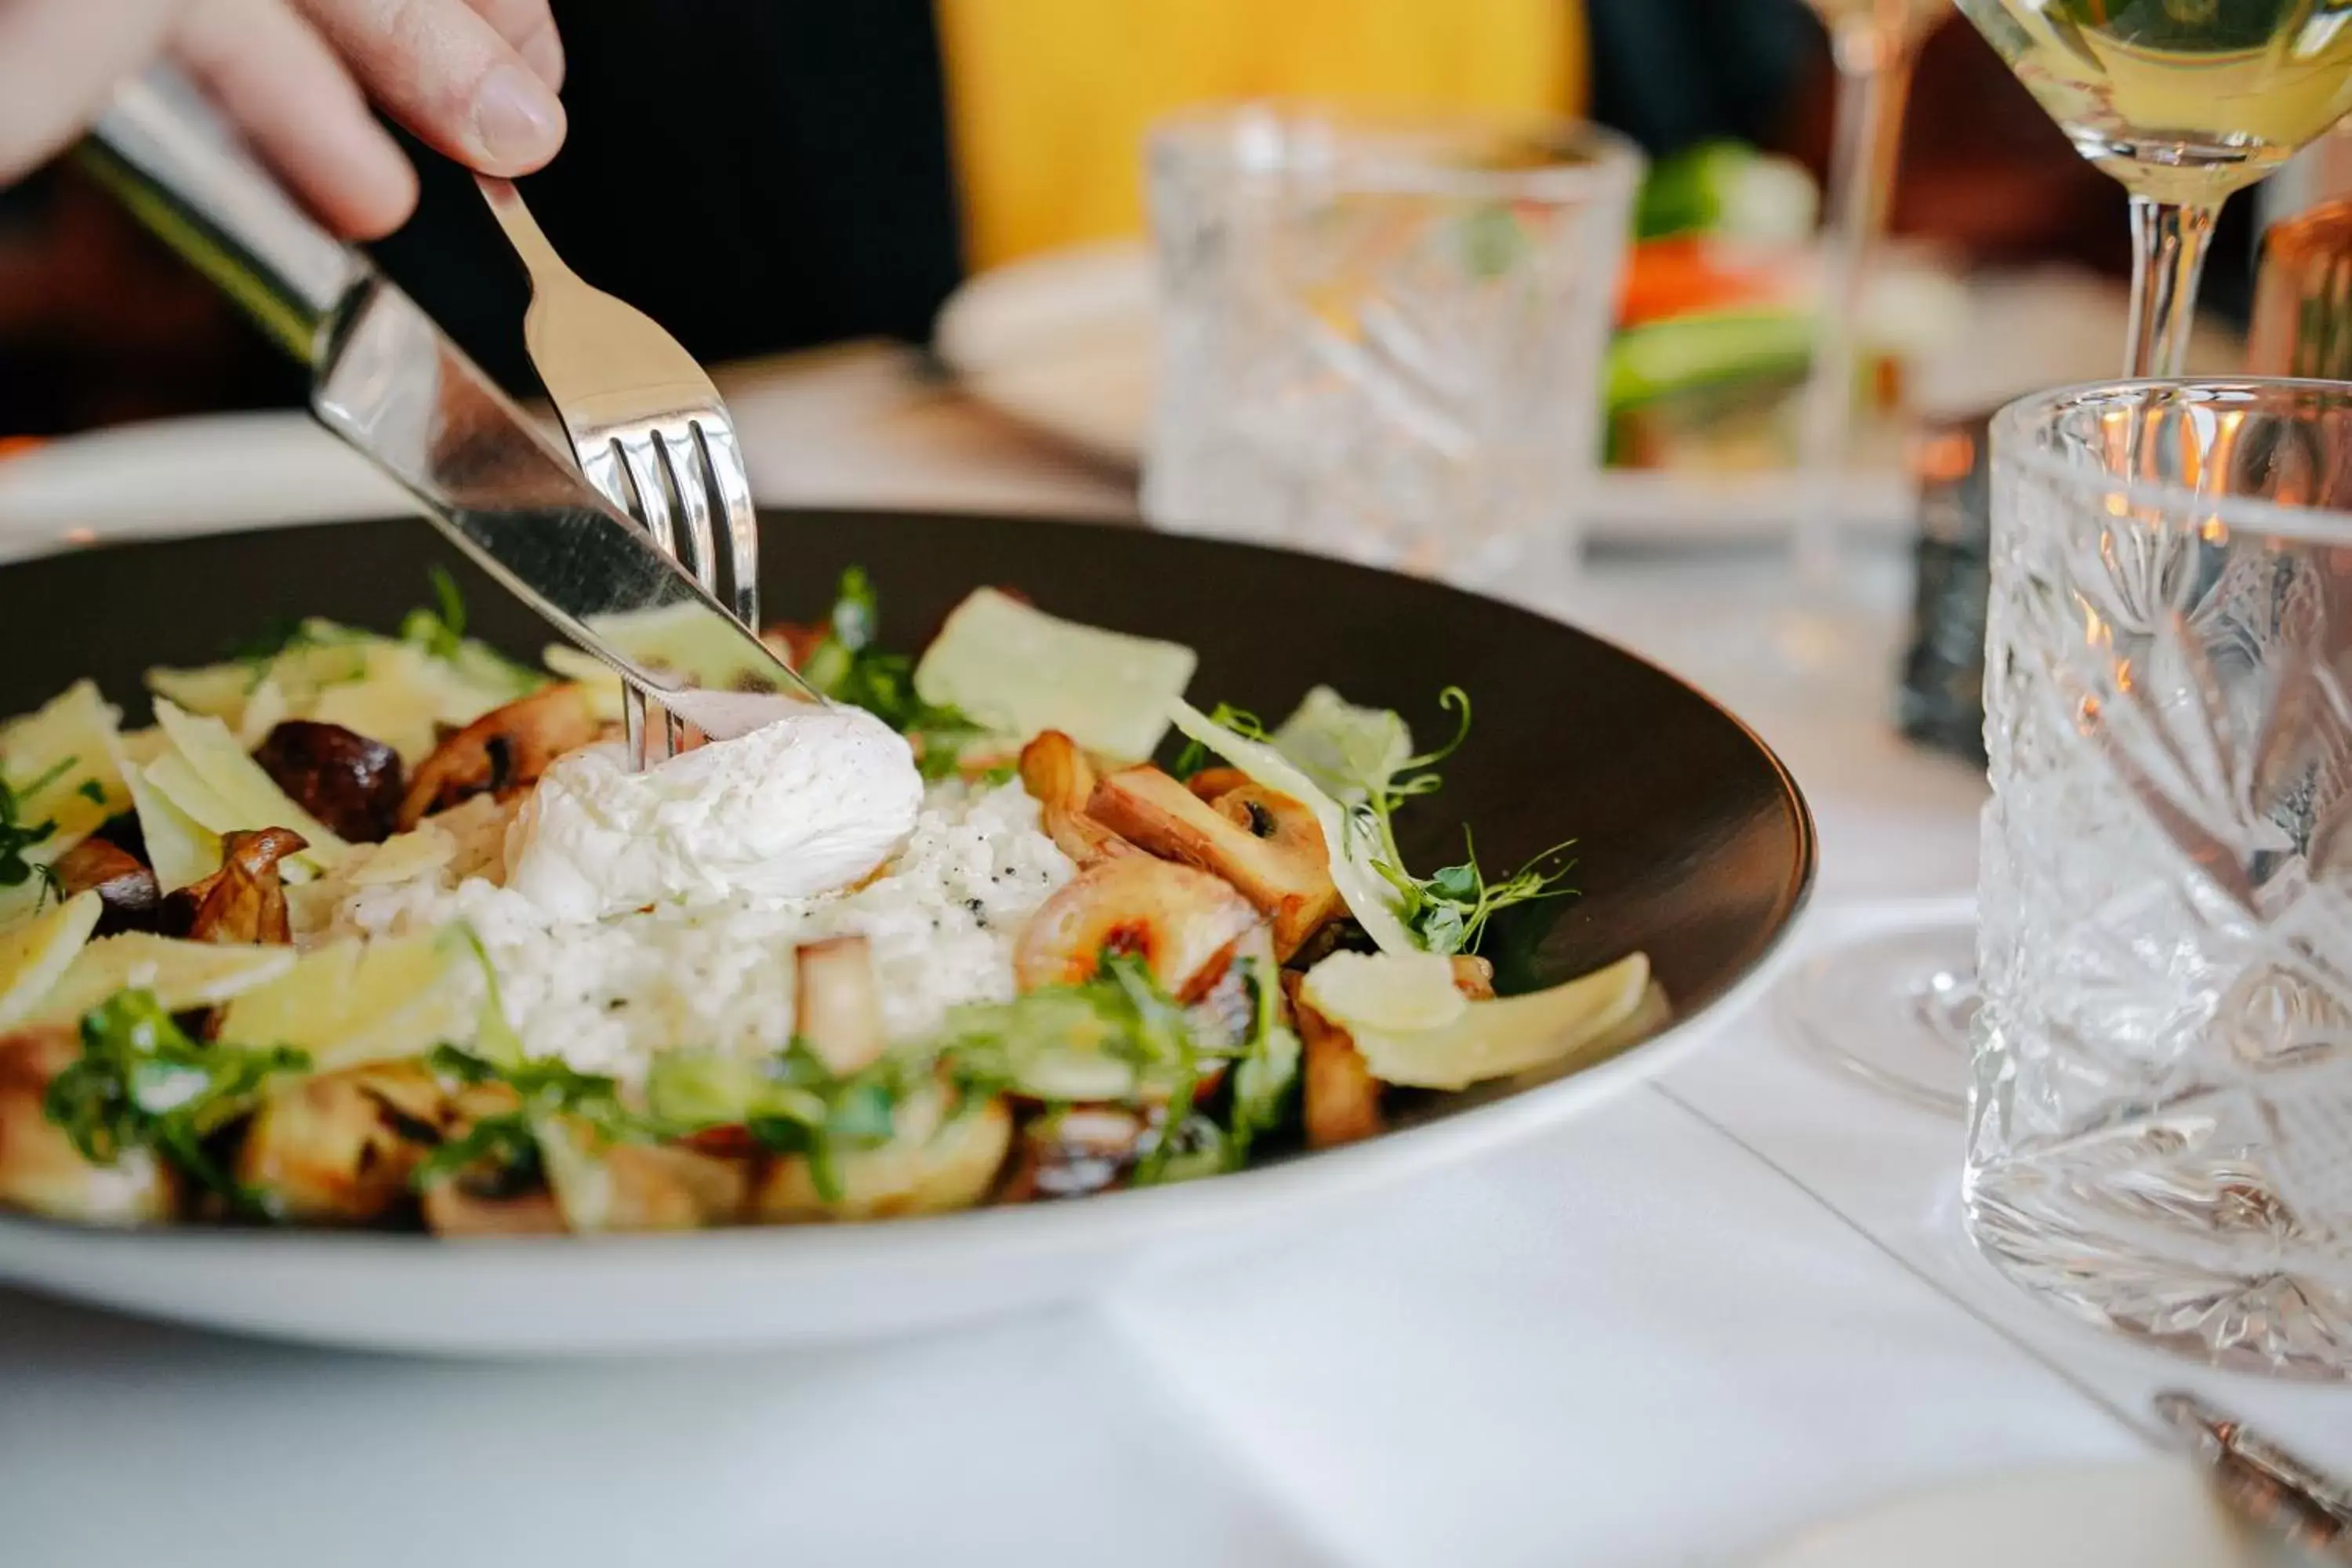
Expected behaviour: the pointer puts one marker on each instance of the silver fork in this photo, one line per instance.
(649, 430)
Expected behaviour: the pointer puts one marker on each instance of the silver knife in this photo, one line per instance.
(387, 380)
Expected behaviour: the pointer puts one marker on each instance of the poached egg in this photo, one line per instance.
(811, 801)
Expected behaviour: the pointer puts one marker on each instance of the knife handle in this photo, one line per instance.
(170, 158)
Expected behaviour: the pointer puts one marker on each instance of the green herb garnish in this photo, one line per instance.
(1447, 912)
(141, 1082)
(543, 1087)
(791, 1102)
(277, 635)
(440, 630)
(847, 667)
(1267, 1069)
(18, 837)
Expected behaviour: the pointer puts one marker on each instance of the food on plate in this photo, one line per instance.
(1716, 316)
(382, 931)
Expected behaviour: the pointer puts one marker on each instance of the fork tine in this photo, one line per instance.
(697, 549)
(643, 463)
(733, 484)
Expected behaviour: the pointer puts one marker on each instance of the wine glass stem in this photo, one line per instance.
(2169, 244)
(1873, 80)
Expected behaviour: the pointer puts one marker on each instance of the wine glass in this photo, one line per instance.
(1873, 45)
(2183, 102)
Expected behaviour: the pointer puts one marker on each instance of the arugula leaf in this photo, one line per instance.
(1196, 1147)
(277, 635)
(791, 1102)
(1116, 1037)
(543, 1087)
(1267, 1069)
(440, 630)
(17, 837)
(141, 1082)
(847, 667)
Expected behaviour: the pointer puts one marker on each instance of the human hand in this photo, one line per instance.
(474, 79)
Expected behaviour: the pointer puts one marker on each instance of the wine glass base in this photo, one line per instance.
(1892, 1010)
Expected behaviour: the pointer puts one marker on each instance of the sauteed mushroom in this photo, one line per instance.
(125, 886)
(244, 900)
(1339, 1098)
(345, 780)
(1058, 775)
(502, 753)
(1185, 923)
(1266, 845)
(340, 1148)
(837, 1007)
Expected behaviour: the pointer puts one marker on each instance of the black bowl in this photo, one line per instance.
(1692, 842)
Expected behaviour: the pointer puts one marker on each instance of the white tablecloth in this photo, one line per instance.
(1668, 1333)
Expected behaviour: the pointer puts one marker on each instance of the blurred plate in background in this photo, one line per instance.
(1065, 343)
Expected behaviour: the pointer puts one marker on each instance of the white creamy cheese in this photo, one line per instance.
(608, 995)
(809, 802)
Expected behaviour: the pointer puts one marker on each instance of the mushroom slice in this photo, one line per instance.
(1183, 921)
(661, 1187)
(1210, 783)
(244, 902)
(458, 1208)
(605, 1185)
(1071, 1153)
(41, 1172)
(1265, 844)
(837, 1007)
(934, 1163)
(502, 753)
(1056, 773)
(1474, 976)
(126, 889)
(339, 1148)
(340, 776)
(1339, 1098)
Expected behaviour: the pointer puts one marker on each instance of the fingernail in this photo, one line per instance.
(516, 119)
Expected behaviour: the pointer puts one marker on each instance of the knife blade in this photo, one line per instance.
(386, 380)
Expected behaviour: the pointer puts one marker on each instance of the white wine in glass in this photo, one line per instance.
(2183, 102)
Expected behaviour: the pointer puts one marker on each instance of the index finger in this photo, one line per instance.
(439, 67)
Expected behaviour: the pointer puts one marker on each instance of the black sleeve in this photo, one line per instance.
(755, 175)
(1672, 72)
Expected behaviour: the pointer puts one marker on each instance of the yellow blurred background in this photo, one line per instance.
(1048, 100)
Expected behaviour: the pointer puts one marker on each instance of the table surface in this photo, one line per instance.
(1710, 1311)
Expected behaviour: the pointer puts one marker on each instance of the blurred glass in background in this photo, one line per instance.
(1381, 335)
(858, 160)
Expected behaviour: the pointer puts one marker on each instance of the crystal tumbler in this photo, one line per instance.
(1382, 338)
(2160, 1133)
